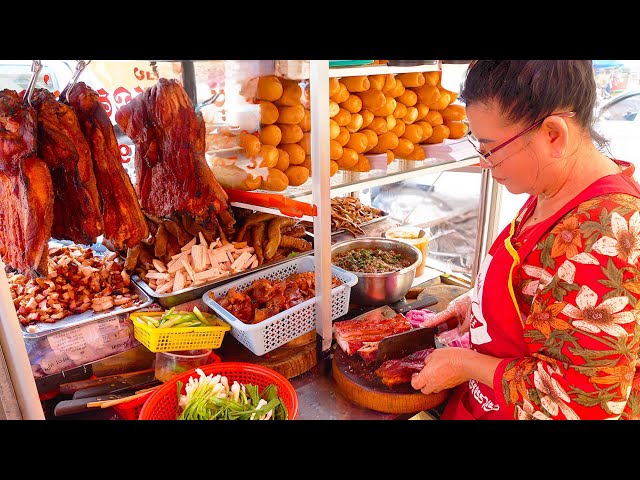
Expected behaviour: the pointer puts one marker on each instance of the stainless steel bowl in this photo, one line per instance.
(377, 289)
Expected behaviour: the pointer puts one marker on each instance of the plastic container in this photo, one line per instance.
(163, 403)
(273, 332)
(174, 339)
(170, 364)
(411, 235)
(131, 410)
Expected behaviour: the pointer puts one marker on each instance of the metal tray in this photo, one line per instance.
(44, 328)
(384, 216)
(171, 299)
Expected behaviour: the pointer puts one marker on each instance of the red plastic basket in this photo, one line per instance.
(131, 410)
(163, 403)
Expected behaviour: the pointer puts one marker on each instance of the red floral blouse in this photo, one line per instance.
(579, 292)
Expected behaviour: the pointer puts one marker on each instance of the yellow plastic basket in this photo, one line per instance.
(178, 338)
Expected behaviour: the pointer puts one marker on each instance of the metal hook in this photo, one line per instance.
(72, 83)
(36, 67)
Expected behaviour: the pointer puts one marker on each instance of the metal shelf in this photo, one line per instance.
(379, 69)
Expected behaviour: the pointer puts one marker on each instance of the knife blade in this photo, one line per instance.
(69, 388)
(401, 306)
(137, 358)
(402, 344)
(117, 385)
(68, 407)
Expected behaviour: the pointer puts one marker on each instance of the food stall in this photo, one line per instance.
(236, 183)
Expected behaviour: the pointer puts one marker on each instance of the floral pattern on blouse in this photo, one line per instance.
(579, 291)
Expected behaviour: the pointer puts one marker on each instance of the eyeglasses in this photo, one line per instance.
(485, 155)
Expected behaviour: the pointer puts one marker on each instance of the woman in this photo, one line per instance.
(552, 318)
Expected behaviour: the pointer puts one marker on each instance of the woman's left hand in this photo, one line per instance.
(442, 369)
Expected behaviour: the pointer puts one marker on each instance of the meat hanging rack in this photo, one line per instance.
(80, 66)
(36, 67)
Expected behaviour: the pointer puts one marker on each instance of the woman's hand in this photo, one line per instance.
(456, 310)
(443, 368)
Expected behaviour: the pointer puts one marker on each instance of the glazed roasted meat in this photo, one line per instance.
(124, 222)
(61, 144)
(26, 189)
(399, 371)
(172, 175)
(351, 335)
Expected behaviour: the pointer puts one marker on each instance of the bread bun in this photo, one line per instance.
(432, 78)
(372, 138)
(268, 113)
(412, 79)
(412, 114)
(456, 129)
(333, 168)
(334, 108)
(440, 132)
(422, 111)
(441, 103)
(391, 122)
(334, 86)
(348, 159)
(250, 144)
(305, 123)
(297, 175)
(335, 150)
(413, 133)
(427, 130)
(372, 99)
(427, 94)
(268, 156)
(276, 180)
(386, 141)
(356, 122)
(367, 116)
(342, 94)
(376, 81)
(343, 136)
(356, 84)
(295, 151)
(290, 133)
(397, 90)
(389, 107)
(334, 129)
(269, 88)
(454, 113)
(400, 111)
(357, 142)
(389, 84)
(379, 125)
(283, 160)
(362, 165)
(305, 143)
(291, 115)
(405, 147)
(409, 98)
(270, 135)
(390, 157)
(353, 103)
(231, 176)
(291, 94)
(307, 163)
(400, 127)
(343, 117)
(434, 117)
(418, 153)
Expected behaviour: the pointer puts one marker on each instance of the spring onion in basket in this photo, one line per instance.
(210, 397)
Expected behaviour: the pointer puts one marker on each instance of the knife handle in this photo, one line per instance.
(68, 407)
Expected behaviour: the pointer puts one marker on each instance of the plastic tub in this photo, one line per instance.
(411, 235)
(169, 364)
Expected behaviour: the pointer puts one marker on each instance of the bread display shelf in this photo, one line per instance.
(379, 69)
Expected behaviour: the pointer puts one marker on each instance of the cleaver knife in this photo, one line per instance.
(138, 358)
(401, 306)
(117, 384)
(402, 344)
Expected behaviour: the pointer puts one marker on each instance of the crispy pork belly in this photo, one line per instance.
(124, 222)
(351, 335)
(61, 144)
(399, 371)
(26, 189)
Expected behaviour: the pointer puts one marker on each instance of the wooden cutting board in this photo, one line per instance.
(361, 386)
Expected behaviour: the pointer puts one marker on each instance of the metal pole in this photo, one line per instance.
(189, 80)
(481, 248)
(321, 193)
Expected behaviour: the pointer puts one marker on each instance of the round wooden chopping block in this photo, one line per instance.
(361, 386)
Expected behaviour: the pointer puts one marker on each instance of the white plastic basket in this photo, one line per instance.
(275, 331)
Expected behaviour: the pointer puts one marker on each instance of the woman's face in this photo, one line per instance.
(516, 165)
